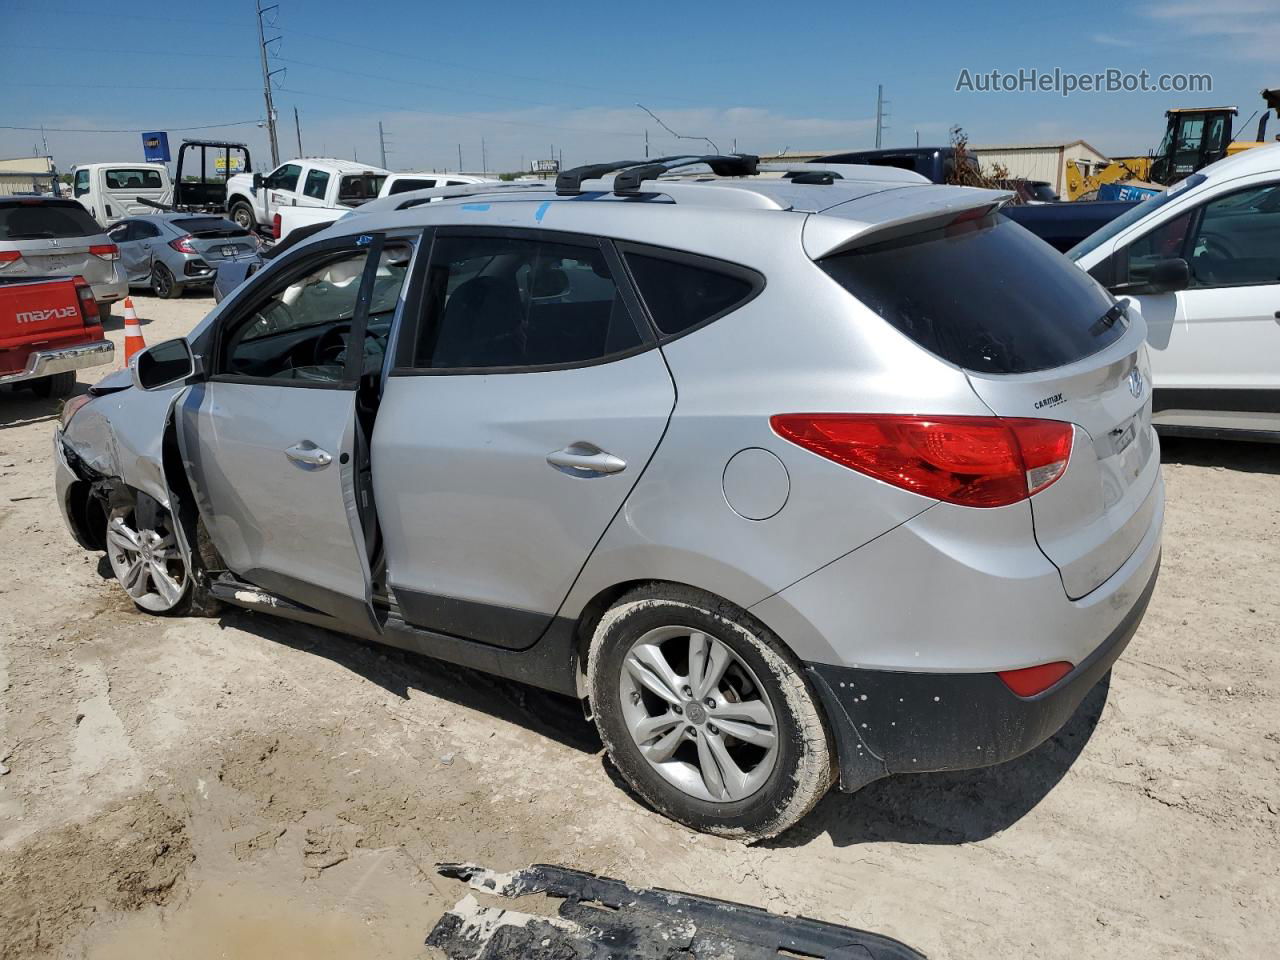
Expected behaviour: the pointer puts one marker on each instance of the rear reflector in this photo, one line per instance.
(1032, 680)
(971, 461)
(107, 251)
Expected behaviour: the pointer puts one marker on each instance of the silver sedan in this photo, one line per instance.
(170, 252)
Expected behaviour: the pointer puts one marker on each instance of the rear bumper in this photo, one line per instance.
(45, 363)
(112, 290)
(888, 722)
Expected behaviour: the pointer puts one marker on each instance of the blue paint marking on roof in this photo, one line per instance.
(542, 210)
(479, 207)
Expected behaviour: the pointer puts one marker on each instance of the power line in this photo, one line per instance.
(203, 126)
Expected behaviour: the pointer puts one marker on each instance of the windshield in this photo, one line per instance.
(1130, 217)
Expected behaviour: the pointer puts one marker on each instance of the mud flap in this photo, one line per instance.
(601, 919)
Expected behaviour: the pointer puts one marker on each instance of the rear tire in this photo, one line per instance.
(242, 215)
(705, 713)
(104, 313)
(58, 385)
(163, 283)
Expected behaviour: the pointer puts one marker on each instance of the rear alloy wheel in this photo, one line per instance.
(163, 285)
(144, 555)
(706, 715)
(242, 216)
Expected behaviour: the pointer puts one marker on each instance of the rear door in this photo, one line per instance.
(526, 401)
(1037, 338)
(271, 437)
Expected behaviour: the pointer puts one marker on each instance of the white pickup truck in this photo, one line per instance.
(287, 219)
(253, 200)
(113, 191)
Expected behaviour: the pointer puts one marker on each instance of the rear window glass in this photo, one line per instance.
(202, 226)
(681, 295)
(133, 180)
(45, 221)
(404, 186)
(985, 295)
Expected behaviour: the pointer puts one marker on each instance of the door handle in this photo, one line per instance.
(585, 460)
(306, 454)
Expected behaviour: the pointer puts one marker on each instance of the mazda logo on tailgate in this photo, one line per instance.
(1135, 382)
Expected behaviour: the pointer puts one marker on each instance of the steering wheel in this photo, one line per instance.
(330, 348)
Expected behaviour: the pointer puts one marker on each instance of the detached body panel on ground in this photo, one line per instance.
(695, 455)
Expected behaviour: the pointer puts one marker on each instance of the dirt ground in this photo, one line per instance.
(250, 788)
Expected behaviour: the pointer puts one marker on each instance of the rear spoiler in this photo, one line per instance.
(895, 213)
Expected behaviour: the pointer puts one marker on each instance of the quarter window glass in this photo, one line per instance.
(1238, 240)
(681, 295)
(285, 178)
(133, 180)
(316, 184)
(501, 302)
(144, 231)
(1164, 242)
(300, 330)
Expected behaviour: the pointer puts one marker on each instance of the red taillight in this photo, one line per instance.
(88, 305)
(972, 461)
(9, 256)
(1029, 681)
(107, 251)
(275, 227)
(183, 245)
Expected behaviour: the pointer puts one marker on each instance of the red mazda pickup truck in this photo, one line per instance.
(49, 329)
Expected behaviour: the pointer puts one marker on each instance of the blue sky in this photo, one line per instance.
(766, 76)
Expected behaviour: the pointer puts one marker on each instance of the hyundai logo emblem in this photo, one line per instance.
(1135, 382)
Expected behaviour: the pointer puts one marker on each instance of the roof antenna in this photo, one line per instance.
(678, 136)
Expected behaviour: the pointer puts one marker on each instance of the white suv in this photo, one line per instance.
(1202, 263)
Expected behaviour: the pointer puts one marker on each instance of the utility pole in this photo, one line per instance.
(881, 115)
(484, 160)
(266, 81)
(382, 146)
(297, 126)
(646, 143)
(459, 158)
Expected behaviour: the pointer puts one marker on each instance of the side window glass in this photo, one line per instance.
(1164, 242)
(404, 186)
(299, 330)
(82, 183)
(285, 178)
(316, 183)
(503, 302)
(1238, 240)
(681, 295)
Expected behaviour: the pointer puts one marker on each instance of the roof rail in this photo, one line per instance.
(415, 198)
(632, 173)
(844, 171)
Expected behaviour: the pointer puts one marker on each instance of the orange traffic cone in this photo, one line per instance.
(133, 341)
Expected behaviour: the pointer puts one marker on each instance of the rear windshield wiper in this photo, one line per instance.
(1107, 320)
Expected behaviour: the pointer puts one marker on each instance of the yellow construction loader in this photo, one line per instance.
(1194, 137)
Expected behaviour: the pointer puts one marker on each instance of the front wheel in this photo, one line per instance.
(706, 715)
(143, 551)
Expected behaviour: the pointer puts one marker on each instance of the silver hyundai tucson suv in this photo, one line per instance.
(796, 474)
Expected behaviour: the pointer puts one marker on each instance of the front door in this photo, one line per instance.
(271, 437)
(523, 408)
(280, 189)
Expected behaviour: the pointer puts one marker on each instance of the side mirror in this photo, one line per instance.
(1166, 276)
(258, 181)
(163, 365)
